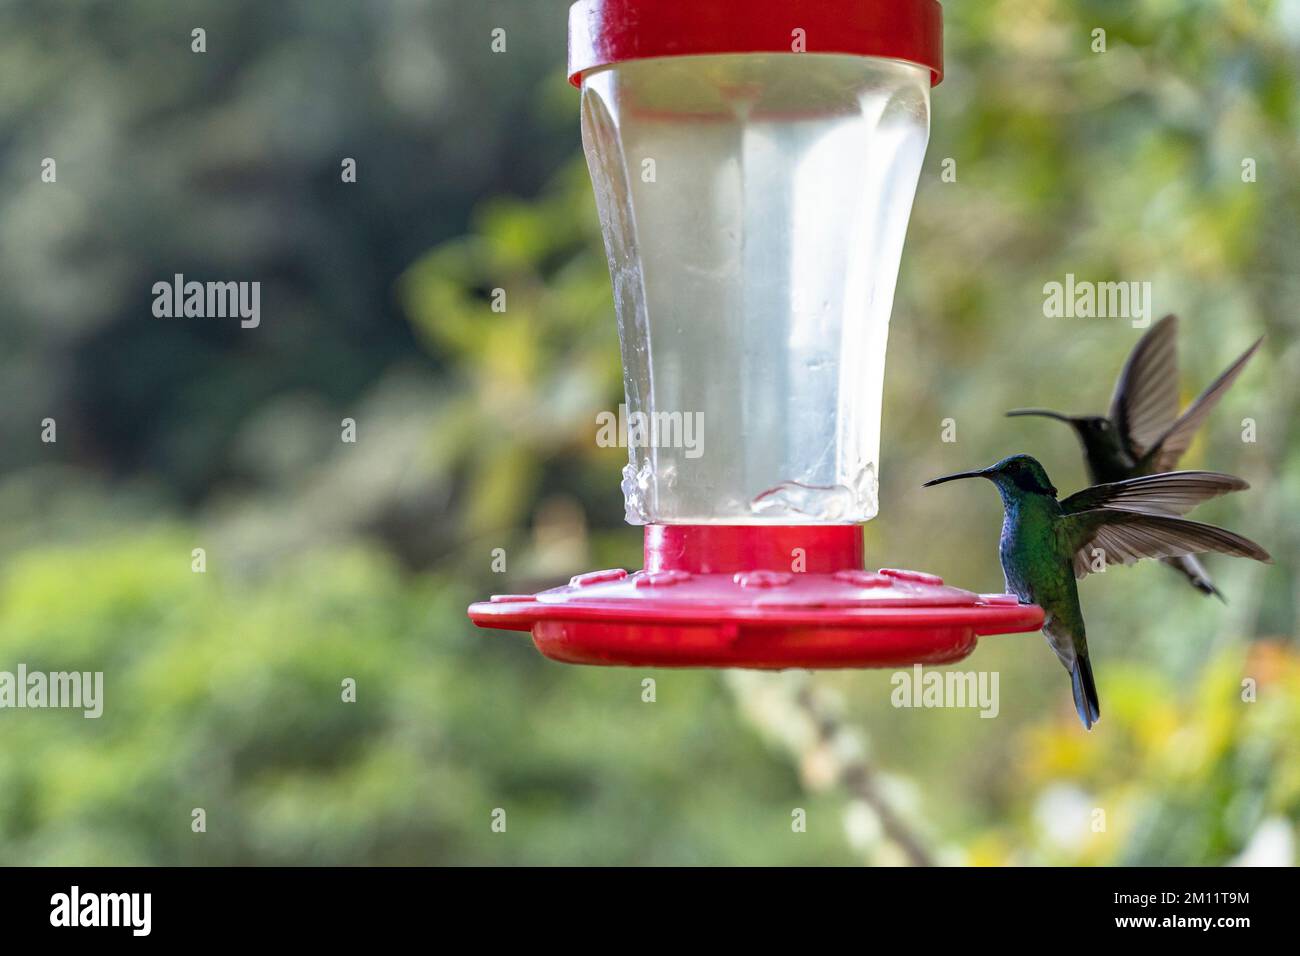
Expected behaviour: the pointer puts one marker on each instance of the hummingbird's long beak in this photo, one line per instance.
(982, 473)
(1040, 412)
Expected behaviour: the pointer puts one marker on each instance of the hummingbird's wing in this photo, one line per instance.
(1125, 537)
(1171, 493)
(1171, 445)
(1145, 402)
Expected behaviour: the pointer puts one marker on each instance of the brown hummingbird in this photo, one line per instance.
(1144, 433)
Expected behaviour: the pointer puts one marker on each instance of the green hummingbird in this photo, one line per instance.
(1144, 433)
(1046, 544)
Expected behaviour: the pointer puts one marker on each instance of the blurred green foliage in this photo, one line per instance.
(475, 431)
(227, 695)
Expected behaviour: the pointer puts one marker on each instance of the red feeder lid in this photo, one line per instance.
(603, 32)
(752, 596)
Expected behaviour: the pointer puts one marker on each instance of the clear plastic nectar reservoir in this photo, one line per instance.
(754, 209)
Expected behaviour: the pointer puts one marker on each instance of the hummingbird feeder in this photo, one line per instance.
(754, 163)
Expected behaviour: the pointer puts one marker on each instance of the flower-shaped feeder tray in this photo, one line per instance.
(721, 596)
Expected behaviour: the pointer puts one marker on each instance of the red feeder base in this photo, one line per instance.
(724, 596)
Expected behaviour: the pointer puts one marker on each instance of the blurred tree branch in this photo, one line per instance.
(804, 718)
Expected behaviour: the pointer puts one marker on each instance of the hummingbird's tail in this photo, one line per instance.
(1195, 572)
(1085, 691)
(1065, 636)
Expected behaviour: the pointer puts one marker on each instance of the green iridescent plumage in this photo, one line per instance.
(1046, 544)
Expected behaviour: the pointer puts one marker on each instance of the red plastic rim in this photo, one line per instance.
(724, 549)
(758, 597)
(604, 32)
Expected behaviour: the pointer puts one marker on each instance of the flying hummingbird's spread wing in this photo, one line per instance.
(1171, 493)
(1145, 403)
(1171, 446)
(1124, 537)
